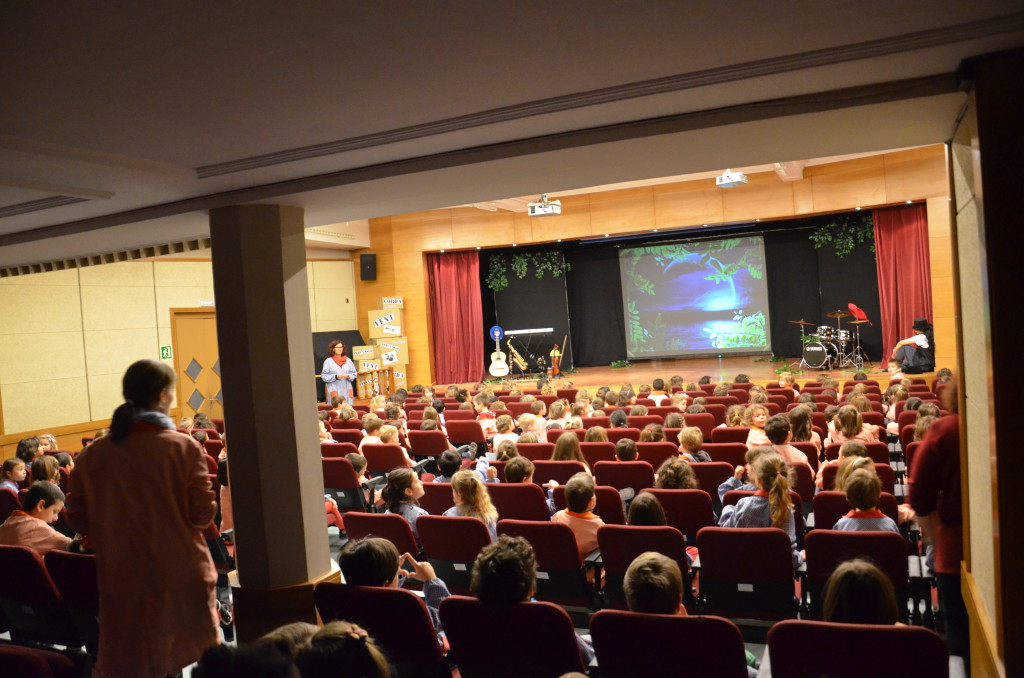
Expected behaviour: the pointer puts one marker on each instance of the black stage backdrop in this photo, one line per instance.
(805, 283)
(528, 303)
(595, 305)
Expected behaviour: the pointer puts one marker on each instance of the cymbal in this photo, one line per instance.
(856, 322)
(800, 322)
(839, 314)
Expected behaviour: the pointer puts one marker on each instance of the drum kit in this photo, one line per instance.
(828, 347)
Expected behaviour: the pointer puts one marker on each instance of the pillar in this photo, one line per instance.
(276, 479)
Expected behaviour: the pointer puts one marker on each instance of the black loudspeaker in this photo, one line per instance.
(367, 266)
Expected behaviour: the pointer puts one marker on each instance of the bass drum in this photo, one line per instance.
(818, 353)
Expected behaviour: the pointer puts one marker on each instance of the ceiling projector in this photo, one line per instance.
(730, 179)
(545, 207)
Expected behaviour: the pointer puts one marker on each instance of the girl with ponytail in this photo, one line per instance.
(770, 505)
(472, 500)
(147, 526)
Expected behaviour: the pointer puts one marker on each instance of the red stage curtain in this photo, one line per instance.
(904, 270)
(457, 316)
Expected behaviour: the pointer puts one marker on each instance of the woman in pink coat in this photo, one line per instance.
(143, 496)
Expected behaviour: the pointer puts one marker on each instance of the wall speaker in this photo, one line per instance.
(367, 266)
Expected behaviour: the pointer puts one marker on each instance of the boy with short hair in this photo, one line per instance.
(31, 525)
(625, 449)
(450, 463)
(580, 499)
(863, 488)
(691, 443)
(779, 431)
(895, 370)
(376, 562)
(505, 573)
(372, 424)
(484, 414)
(658, 394)
(654, 585)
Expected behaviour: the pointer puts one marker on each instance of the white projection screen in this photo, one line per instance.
(695, 297)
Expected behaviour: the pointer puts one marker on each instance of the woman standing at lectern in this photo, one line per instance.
(339, 372)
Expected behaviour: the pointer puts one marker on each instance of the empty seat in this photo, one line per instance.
(687, 510)
(436, 499)
(559, 471)
(536, 451)
(452, 544)
(522, 501)
(730, 434)
(388, 526)
(734, 583)
(656, 453)
(595, 452)
(622, 474)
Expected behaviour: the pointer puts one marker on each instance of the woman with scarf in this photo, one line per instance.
(142, 495)
(339, 372)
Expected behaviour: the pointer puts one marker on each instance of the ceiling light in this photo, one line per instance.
(559, 240)
(655, 230)
(606, 235)
(515, 245)
(442, 251)
(478, 246)
(857, 208)
(757, 220)
(910, 202)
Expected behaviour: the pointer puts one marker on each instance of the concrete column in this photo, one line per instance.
(264, 337)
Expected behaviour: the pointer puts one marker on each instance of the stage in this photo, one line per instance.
(758, 368)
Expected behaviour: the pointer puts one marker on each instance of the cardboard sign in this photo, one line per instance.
(384, 320)
(394, 330)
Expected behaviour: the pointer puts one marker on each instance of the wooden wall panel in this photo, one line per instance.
(940, 252)
(915, 174)
(523, 228)
(624, 211)
(687, 204)
(474, 227)
(844, 185)
(765, 196)
(428, 230)
(573, 223)
(803, 196)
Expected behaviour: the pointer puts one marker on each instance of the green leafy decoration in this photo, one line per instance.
(845, 232)
(619, 363)
(521, 262)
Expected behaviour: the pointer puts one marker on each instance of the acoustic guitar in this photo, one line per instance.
(499, 362)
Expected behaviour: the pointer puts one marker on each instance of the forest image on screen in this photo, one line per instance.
(695, 297)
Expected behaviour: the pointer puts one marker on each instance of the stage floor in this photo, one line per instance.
(759, 369)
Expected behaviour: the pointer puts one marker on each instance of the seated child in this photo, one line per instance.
(372, 424)
(736, 482)
(484, 414)
(342, 648)
(849, 425)
(450, 463)
(580, 499)
(780, 434)
(658, 394)
(372, 561)
(733, 416)
(771, 505)
(646, 511)
(860, 593)
(691, 444)
(595, 434)
(31, 525)
(506, 451)
(674, 420)
(402, 494)
(505, 431)
(895, 370)
(45, 468)
(472, 500)
(757, 417)
(862, 491)
(14, 472)
(851, 448)
(788, 380)
(505, 573)
(654, 585)
(358, 462)
(625, 449)
(675, 474)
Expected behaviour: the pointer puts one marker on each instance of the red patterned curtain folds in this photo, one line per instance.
(456, 316)
(904, 270)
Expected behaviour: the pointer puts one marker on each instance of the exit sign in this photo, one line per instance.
(165, 353)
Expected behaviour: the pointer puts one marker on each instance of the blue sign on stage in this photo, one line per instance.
(497, 334)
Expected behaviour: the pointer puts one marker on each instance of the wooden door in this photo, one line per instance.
(194, 335)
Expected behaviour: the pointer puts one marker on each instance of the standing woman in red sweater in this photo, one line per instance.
(158, 611)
